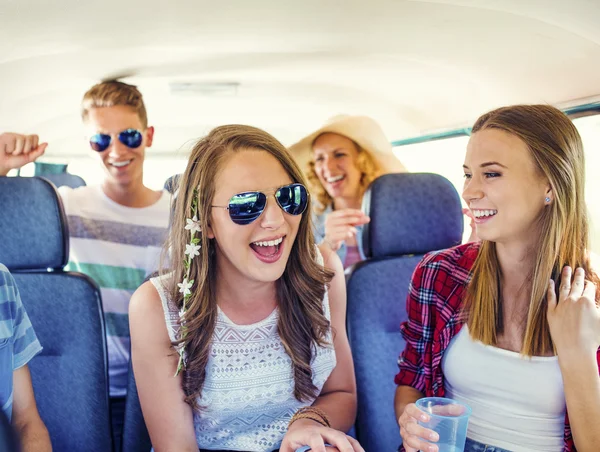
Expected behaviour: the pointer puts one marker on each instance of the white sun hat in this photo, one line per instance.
(363, 130)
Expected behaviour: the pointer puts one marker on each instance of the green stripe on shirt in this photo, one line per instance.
(111, 277)
(116, 324)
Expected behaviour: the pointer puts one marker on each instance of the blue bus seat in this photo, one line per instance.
(411, 214)
(70, 376)
(172, 183)
(135, 433)
(8, 437)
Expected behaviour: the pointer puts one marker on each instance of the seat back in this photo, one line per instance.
(43, 168)
(70, 376)
(172, 183)
(35, 234)
(411, 214)
(68, 179)
(8, 438)
(135, 433)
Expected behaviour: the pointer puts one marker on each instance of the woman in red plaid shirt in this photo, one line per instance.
(511, 325)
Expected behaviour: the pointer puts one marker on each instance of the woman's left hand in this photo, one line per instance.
(575, 320)
(305, 432)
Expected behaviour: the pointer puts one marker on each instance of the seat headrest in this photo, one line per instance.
(33, 225)
(411, 213)
(172, 183)
(68, 179)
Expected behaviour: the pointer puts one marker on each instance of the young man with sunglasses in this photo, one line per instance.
(116, 229)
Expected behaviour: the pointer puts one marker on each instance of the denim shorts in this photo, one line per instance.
(474, 446)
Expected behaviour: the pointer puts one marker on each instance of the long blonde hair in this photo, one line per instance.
(300, 290)
(557, 151)
(366, 163)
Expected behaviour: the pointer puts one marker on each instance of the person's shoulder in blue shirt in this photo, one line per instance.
(18, 345)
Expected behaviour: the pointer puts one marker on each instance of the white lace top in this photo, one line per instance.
(248, 393)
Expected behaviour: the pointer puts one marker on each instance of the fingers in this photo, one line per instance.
(413, 442)
(449, 410)
(335, 438)
(590, 291)
(17, 144)
(347, 213)
(421, 432)
(355, 444)
(572, 285)
(551, 296)
(342, 232)
(17, 161)
(24, 144)
(578, 284)
(345, 222)
(412, 411)
(340, 225)
(37, 152)
(336, 235)
(17, 150)
(565, 283)
(414, 435)
(316, 443)
(40, 150)
(30, 143)
(353, 217)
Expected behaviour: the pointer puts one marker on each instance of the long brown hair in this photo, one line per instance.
(557, 152)
(365, 162)
(300, 290)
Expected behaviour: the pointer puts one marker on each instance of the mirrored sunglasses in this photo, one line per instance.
(246, 207)
(132, 138)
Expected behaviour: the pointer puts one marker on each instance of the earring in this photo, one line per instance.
(547, 199)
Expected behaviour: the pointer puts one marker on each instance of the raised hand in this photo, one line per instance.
(574, 319)
(16, 150)
(305, 432)
(341, 224)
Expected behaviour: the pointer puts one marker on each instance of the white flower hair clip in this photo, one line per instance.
(192, 250)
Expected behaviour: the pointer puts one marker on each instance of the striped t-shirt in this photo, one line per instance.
(18, 342)
(118, 247)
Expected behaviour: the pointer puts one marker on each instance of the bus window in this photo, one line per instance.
(589, 129)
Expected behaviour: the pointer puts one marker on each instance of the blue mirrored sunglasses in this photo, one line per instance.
(132, 138)
(246, 207)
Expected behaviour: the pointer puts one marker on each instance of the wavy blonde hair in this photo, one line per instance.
(300, 290)
(557, 151)
(367, 164)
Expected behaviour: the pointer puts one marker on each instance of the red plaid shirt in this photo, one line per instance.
(434, 305)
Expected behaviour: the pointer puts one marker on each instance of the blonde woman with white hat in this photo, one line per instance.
(343, 157)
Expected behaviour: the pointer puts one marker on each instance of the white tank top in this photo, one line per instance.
(249, 388)
(518, 403)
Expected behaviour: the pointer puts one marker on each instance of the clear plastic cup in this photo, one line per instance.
(449, 419)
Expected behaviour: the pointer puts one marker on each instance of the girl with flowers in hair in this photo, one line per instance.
(241, 344)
